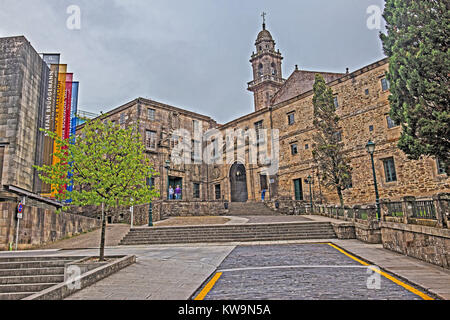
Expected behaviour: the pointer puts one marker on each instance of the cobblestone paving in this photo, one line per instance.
(320, 273)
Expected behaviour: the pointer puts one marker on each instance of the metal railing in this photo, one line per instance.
(394, 209)
(424, 210)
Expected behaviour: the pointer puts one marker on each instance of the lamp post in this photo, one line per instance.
(370, 147)
(309, 181)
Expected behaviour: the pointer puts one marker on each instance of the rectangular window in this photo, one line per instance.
(371, 128)
(151, 114)
(2, 155)
(291, 118)
(196, 191)
(195, 125)
(439, 164)
(258, 129)
(389, 170)
(385, 85)
(294, 149)
(366, 92)
(122, 118)
(151, 182)
(298, 189)
(150, 139)
(391, 123)
(338, 136)
(336, 102)
(217, 192)
(263, 181)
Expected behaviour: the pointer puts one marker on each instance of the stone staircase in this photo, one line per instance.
(21, 277)
(230, 233)
(250, 209)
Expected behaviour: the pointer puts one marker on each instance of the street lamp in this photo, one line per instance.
(309, 181)
(370, 147)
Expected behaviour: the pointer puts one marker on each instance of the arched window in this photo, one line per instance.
(273, 69)
(260, 69)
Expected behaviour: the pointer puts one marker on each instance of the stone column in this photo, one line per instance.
(408, 204)
(441, 204)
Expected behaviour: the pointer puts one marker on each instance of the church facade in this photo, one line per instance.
(285, 106)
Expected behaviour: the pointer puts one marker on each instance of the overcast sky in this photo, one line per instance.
(192, 54)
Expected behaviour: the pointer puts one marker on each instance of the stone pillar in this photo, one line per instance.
(384, 209)
(408, 204)
(441, 203)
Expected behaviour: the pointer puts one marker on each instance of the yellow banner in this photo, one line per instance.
(59, 115)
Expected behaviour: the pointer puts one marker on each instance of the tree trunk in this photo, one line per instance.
(102, 238)
(341, 197)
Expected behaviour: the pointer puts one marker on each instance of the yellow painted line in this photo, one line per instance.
(208, 287)
(384, 274)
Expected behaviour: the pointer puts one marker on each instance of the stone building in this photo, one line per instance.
(23, 76)
(361, 98)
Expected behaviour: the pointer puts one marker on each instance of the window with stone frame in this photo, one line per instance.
(151, 114)
(336, 102)
(259, 131)
(217, 192)
(294, 149)
(196, 191)
(391, 123)
(196, 150)
(440, 167)
(385, 85)
(263, 181)
(2, 155)
(291, 118)
(389, 169)
(150, 139)
(122, 119)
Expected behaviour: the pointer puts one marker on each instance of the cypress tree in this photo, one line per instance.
(416, 43)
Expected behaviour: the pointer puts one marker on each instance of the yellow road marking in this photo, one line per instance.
(208, 287)
(384, 274)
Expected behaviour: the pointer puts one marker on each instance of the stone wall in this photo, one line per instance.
(40, 226)
(425, 243)
(21, 102)
(168, 209)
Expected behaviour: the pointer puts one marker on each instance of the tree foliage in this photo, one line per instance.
(417, 44)
(106, 165)
(328, 150)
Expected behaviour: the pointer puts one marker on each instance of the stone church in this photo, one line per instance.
(284, 104)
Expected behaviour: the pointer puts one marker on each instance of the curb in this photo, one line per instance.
(63, 290)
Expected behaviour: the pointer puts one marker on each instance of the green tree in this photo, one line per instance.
(417, 44)
(328, 150)
(108, 168)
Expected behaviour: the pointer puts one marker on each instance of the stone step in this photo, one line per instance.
(32, 279)
(15, 296)
(220, 240)
(33, 264)
(234, 227)
(212, 231)
(31, 272)
(231, 236)
(40, 258)
(33, 287)
(213, 234)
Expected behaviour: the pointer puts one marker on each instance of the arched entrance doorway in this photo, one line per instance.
(238, 183)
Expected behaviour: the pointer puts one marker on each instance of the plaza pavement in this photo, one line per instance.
(175, 272)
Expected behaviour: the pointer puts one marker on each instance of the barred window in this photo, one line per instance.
(150, 139)
(385, 85)
(151, 114)
(196, 191)
(291, 118)
(389, 170)
(258, 129)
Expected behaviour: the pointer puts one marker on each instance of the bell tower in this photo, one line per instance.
(266, 64)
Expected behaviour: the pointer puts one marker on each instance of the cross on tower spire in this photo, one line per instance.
(263, 15)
